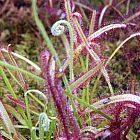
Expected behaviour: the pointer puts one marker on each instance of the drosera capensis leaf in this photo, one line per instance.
(37, 68)
(116, 99)
(19, 74)
(102, 14)
(57, 29)
(121, 45)
(11, 67)
(44, 124)
(15, 113)
(85, 77)
(105, 29)
(6, 120)
(40, 95)
(92, 22)
(4, 58)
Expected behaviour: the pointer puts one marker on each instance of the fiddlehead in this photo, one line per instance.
(57, 29)
(44, 124)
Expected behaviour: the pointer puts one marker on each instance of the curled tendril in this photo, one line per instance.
(44, 122)
(57, 29)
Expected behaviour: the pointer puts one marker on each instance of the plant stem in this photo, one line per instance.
(43, 31)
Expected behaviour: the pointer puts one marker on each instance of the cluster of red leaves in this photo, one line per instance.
(125, 115)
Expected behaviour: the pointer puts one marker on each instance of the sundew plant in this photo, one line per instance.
(65, 80)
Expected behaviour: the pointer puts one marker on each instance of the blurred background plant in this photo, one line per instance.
(97, 94)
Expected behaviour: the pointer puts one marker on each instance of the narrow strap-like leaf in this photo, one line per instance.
(6, 120)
